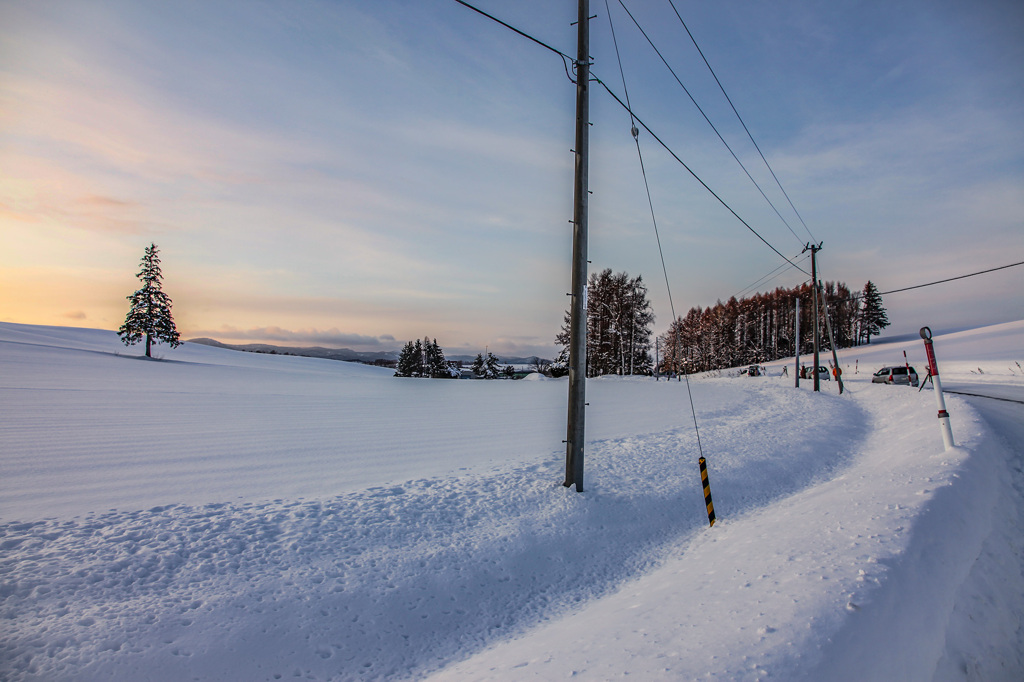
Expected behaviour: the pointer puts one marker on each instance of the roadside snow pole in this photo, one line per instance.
(707, 491)
(933, 370)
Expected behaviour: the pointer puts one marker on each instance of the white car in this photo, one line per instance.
(898, 374)
(806, 372)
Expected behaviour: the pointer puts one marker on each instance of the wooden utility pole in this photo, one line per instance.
(578, 312)
(815, 248)
(797, 349)
(832, 340)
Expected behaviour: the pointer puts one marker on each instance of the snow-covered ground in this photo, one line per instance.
(218, 515)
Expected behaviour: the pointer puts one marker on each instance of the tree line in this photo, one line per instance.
(425, 359)
(619, 320)
(762, 328)
(744, 331)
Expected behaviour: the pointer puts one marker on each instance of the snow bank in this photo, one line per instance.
(851, 578)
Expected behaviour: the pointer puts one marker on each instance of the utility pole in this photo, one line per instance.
(797, 372)
(578, 313)
(632, 329)
(814, 249)
(657, 371)
(832, 340)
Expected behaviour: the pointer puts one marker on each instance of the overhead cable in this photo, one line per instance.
(634, 117)
(513, 28)
(950, 279)
(692, 99)
(643, 169)
(857, 295)
(691, 172)
(566, 59)
(765, 278)
(654, 220)
(742, 123)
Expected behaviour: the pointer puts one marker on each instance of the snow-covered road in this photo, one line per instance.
(985, 636)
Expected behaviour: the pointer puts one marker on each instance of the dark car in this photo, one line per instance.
(900, 374)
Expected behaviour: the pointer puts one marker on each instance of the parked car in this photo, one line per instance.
(900, 374)
(756, 371)
(808, 373)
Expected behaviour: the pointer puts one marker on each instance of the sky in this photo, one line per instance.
(359, 174)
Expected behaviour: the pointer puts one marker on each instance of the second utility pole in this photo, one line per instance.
(578, 313)
(815, 248)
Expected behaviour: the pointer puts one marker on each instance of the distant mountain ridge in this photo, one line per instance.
(344, 354)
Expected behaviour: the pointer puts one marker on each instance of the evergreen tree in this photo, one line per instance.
(478, 365)
(559, 367)
(619, 319)
(486, 366)
(492, 366)
(437, 366)
(407, 361)
(417, 359)
(872, 315)
(638, 339)
(150, 312)
(424, 358)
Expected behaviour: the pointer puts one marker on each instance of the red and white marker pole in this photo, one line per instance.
(933, 369)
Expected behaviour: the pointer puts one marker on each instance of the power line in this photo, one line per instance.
(695, 176)
(634, 117)
(654, 220)
(729, 99)
(950, 279)
(513, 28)
(643, 169)
(857, 295)
(692, 99)
(566, 59)
(764, 279)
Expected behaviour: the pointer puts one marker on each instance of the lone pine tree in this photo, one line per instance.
(150, 312)
(872, 315)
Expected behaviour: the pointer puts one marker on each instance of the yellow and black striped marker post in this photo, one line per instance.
(707, 491)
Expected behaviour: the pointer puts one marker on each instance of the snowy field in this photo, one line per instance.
(216, 515)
